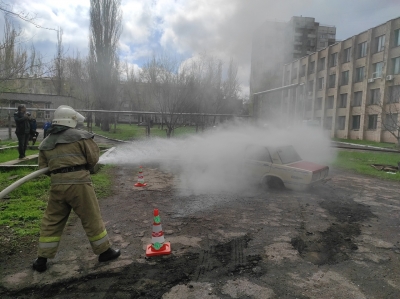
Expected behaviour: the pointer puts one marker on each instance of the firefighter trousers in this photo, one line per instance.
(82, 199)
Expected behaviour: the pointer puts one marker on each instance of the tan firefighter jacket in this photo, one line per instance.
(68, 148)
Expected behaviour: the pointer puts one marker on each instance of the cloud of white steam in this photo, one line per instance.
(213, 162)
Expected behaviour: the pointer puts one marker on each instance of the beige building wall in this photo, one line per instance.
(330, 78)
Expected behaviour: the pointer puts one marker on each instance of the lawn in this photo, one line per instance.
(6, 143)
(360, 162)
(21, 214)
(367, 142)
(12, 154)
(134, 132)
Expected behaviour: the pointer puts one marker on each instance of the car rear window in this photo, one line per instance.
(288, 154)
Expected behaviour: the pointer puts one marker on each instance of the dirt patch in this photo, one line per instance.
(329, 247)
(12, 244)
(152, 277)
(347, 211)
(335, 244)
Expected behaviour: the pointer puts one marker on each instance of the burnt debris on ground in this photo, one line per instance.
(157, 275)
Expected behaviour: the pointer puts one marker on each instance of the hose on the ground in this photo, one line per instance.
(18, 183)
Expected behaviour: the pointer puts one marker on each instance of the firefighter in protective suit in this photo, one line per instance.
(69, 153)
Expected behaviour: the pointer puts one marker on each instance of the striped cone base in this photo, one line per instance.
(165, 249)
(140, 182)
(158, 245)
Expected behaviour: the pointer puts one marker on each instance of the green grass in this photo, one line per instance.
(367, 142)
(5, 143)
(102, 181)
(360, 162)
(12, 154)
(24, 210)
(22, 213)
(131, 132)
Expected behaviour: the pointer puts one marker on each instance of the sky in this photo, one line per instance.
(222, 28)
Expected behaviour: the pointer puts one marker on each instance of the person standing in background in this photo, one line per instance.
(33, 133)
(46, 127)
(22, 130)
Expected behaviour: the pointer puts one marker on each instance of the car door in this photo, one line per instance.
(258, 161)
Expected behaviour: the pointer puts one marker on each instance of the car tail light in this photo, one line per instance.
(316, 175)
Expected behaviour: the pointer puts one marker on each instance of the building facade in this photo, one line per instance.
(276, 43)
(351, 88)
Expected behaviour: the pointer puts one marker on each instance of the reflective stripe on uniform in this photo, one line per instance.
(49, 242)
(49, 239)
(48, 245)
(99, 239)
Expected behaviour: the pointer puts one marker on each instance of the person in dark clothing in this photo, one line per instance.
(33, 133)
(46, 127)
(22, 123)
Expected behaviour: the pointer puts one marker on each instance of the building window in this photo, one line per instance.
(287, 77)
(47, 113)
(393, 94)
(390, 122)
(332, 80)
(294, 73)
(362, 50)
(329, 102)
(310, 87)
(318, 104)
(345, 78)
(372, 121)
(355, 122)
(321, 64)
(308, 105)
(342, 101)
(397, 38)
(333, 60)
(328, 123)
(285, 93)
(357, 100)
(378, 67)
(311, 67)
(396, 65)
(347, 55)
(379, 43)
(375, 96)
(360, 74)
(303, 70)
(321, 83)
(341, 122)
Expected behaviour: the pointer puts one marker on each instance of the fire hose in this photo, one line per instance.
(18, 183)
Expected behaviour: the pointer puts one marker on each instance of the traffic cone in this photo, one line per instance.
(158, 245)
(140, 182)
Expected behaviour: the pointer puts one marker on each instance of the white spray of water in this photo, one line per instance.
(213, 161)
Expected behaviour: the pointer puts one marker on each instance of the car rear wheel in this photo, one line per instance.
(274, 182)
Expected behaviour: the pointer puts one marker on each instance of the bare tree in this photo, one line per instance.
(58, 65)
(16, 62)
(105, 30)
(391, 112)
(76, 74)
(24, 16)
(170, 88)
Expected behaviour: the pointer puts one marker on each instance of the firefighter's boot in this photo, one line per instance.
(40, 264)
(109, 254)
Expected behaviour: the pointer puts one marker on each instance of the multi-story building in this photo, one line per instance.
(276, 43)
(351, 88)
